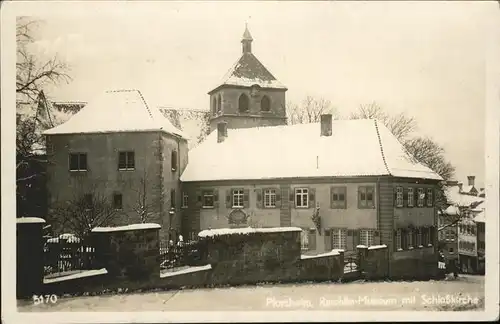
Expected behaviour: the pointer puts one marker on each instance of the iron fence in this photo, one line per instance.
(184, 254)
(63, 256)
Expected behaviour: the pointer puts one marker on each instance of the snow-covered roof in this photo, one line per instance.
(30, 220)
(246, 230)
(467, 188)
(249, 71)
(454, 197)
(116, 111)
(127, 227)
(361, 147)
(452, 211)
(480, 218)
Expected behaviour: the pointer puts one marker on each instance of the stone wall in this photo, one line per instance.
(374, 262)
(128, 252)
(29, 255)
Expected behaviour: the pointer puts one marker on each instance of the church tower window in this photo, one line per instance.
(243, 103)
(265, 104)
(214, 106)
(219, 104)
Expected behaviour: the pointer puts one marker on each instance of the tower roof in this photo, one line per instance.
(246, 34)
(249, 71)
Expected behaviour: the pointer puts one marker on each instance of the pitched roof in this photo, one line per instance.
(355, 148)
(480, 218)
(454, 197)
(249, 71)
(116, 111)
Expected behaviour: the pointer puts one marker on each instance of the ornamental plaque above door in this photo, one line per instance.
(237, 217)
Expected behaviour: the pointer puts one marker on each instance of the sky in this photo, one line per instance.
(426, 59)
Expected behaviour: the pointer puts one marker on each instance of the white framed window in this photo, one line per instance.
(301, 197)
(398, 240)
(339, 238)
(126, 161)
(208, 198)
(304, 240)
(399, 197)
(410, 239)
(366, 237)
(185, 200)
(421, 197)
(238, 198)
(411, 197)
(269, 198)
(429, 197)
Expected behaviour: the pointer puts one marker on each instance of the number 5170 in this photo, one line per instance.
(44, 299)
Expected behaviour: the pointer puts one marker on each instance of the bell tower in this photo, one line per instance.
(249, 95)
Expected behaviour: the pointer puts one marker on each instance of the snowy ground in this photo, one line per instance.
(423, 295)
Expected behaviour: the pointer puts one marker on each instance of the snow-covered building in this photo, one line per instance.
(120, 147)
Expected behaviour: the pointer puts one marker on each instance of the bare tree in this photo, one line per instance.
(400, 125)
(84, 212)
(202, 118)
(145, 203)
(309, 111)
(33, 112)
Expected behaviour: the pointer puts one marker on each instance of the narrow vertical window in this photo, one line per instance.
(117, 201)
(399, 197)
(185, 200)
(265, 104)
(173, 160)
(421, 197)
(172, 198)
(399, 245)
(429, 197)
(243, 103)
(411, 197)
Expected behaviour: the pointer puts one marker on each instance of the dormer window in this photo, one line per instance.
(265, 104)
(243, 103)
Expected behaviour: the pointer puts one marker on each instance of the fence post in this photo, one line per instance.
(30, 256)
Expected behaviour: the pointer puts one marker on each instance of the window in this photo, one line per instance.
(399, 197)
(410, 239)
(173, 160)
(78, 161)
(398, 240)
(172, 198)
(185, 200)
(366, 237)
(421, 197)
(238, 198)
(301, 198)
(304, 240)
(419, 238)
(339, 238)
(366, 197)
(208, 198)
(411, 197)
(269, 198)
(219, 104)
(429, 197)
(214, 106)
(126, 161)
(338, 197)
(117, 201)
(243, 103)
(265, 104)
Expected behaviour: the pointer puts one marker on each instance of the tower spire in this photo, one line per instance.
(247, 40)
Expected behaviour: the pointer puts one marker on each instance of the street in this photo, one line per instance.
(463, 293)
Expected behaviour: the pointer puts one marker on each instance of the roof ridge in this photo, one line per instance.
(381, 146)
(145, 103)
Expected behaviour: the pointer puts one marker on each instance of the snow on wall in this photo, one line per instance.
(184, 271)
(30, 220)
(83, 274)
(246, 230)
(127, 227)
(331, 253)
(375, 247)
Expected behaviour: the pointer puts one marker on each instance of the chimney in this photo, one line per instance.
(471, 180)
(221, 132)
(460, 187)
(326, 125)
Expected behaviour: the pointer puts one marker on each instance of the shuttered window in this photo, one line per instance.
(238, 198)
(366, 197)
(399, 197)
(338, 197)
(301, 197)
(269, 198)
(339, 236)
(208, 198)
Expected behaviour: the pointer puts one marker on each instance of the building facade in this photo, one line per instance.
(134, 165)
